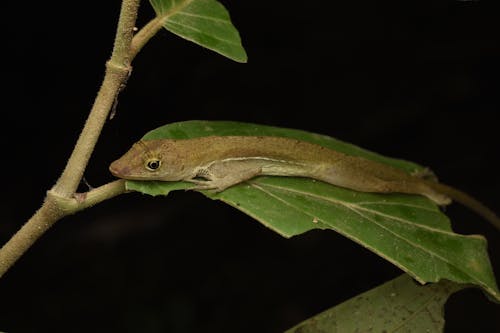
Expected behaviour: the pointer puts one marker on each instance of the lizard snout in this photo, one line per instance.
(118, 170)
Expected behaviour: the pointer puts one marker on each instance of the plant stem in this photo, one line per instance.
(144, 35)
(117, 71)
(61, 199)
(36, 226)
(53, 209)
(75, 167)
(85, 200)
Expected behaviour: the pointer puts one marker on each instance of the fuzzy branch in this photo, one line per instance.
(53, 209)
(62, 200)
(117, 71)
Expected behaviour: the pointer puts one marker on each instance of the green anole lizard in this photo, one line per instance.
(219, 162)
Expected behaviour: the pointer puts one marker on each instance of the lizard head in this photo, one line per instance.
(149, 160)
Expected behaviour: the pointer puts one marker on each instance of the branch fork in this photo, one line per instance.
(62, 199)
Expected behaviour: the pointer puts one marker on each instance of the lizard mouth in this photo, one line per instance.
(123, 171)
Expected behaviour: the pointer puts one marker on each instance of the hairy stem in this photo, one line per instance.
(73, 172)
(61, 200)
(117, 71)
(144, 35)
(36, 226)
(85, 200)
(53, 209)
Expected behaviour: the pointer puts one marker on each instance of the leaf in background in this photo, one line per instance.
(204, 22)
(399, 305)
(408, 230)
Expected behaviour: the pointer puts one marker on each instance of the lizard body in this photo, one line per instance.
(218, 162)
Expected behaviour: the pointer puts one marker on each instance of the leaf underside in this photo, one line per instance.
(399, 305)
(204, 22)
(408, 230)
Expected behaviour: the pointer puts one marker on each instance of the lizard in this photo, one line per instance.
(218, 162)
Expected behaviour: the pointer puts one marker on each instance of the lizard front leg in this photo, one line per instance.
(220, 175)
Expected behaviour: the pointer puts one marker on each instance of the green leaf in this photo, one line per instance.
(204, 22)
(408, 230)
(399, 305)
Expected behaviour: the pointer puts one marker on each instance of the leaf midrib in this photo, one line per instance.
(174, 10)
(210, 18)
(202, 33)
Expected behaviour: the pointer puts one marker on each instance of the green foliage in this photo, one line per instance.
(398, 305)
(408, 230)
(204, 22)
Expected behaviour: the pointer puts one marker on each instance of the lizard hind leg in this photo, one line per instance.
(423, 189)
(438, 198)
(357, 180)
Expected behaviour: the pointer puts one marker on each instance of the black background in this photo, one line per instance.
(415, 80)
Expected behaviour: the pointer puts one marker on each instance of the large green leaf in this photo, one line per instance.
(399, 305)
(204, 22)
(408, 230)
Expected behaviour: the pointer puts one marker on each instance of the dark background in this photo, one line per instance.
(415, 80)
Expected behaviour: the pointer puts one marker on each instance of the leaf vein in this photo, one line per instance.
(350, 236)
(338, 202)
(211, 18)
(367, 203)
(203, 33)
(174, 9)
(431, 253)
(415, 245)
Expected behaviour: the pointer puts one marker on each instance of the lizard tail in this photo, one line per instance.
(467, 201)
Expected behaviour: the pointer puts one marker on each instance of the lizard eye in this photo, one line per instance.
(153, 164)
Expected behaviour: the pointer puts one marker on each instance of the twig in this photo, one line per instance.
(144, 35)
(53, 209)
(117, 71)
(61, 199)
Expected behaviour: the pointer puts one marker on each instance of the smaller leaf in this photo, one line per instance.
(204, 22)
(399, 305)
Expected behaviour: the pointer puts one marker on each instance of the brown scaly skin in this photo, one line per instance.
(218, 162)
